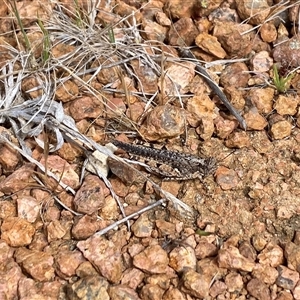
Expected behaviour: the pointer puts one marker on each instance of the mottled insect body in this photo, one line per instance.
(180, 166)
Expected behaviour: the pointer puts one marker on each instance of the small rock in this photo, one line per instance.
(229, 34)
(255, 121)
(281, 130)
(67, 262)
(205, 249)
(173, 293)
(226, 178)
(110, 209)
(165, 228)
(89, 287)
(84, 227)
(135, 249)
(60, 49)
(238, 139)
(210, 44)
(234, 282)
(39, 242)
(256, 14)
(258, 289)
(182, 257)
(286, 105)
(172, 187)
(217, 288)
(135, 111)
(17, 232)
(268, 32)
(282, 31)
(151, 292)
(260, 142)
(106, 75)
(296, 291)
(9, 158)
(105, 255)
(283, 212)
(247, 250)
(195, 284)
(179, 10)
(287, 278)
(30, 83)
(36, 263)
(67, 91)
(18, 180)
(262, 99)
(287, 53)
(7, 209)
(28, 208)
(235, 96)
(153, 260)
(209, 267)
(55, 231)
(224, 14)
(183, 32)
(30, 289)
(11, 274)
(206, 128)
(285, 295)
(142, 227)
(161, 280)
(63, 171)
(86, 269)
(231, 258)
(162, 19)
(272, 255)
(236, 74)
(258, 242)
(119, 187)
(85, 107)
(178, 79)
(132, 277)
(201, 106)
(198, 86)
(128, 174)
(296, 237)
(265, 273)
(292, 255)
(122, 292)
(153, 31)
(115, 107)
(163, 122)
(262, 62)
(6, 252)
(224, 127)
(90, 197)
(69, 152)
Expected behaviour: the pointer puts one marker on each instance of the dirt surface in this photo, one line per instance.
(75, 76)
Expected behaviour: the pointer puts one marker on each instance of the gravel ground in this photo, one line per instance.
(116, 73)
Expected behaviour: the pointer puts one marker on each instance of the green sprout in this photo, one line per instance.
(203, 233)
(79, 20)
(16, 13)
(46, 42)
(281, 83)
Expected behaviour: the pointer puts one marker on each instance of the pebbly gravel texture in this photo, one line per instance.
(243, 239)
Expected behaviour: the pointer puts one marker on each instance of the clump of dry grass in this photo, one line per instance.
(89, 49)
